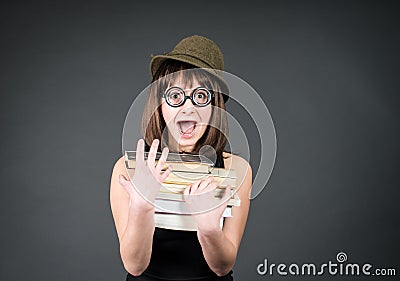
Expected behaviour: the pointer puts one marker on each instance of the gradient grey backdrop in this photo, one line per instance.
(328, 71)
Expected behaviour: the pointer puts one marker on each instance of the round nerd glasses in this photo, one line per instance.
(175, 96)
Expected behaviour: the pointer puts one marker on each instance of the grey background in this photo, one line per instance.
(328, 71)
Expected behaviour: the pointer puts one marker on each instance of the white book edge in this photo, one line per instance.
(181, 207)
(178, 222)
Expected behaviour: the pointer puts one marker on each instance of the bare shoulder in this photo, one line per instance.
(234, 226)
(243, 171)
(235, 162)
(119, 164)
(119, 198)
(118, 169)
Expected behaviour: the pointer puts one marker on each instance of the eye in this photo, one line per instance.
(201, 96)
(174, 96)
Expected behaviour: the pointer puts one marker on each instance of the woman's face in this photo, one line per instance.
(188, 122)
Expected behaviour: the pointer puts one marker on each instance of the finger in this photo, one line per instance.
(186, 194)
(165, 174)
(152, 154)
(187, 190)
(213, 185)
(140, 152)
(194, 187)
(227, 193)
(209, 190)
(122, 179)
(224, 200)
(163, 159)
(125, 183)
(204, 184)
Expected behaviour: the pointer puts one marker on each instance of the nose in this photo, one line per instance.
(188, 107)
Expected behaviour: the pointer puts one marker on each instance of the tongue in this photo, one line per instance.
(187, 127)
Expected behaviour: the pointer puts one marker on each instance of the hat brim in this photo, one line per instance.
(157, 60)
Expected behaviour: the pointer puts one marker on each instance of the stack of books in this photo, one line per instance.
(172, 212)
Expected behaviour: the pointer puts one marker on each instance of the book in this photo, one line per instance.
(180, 207)
(185, 173)
(177, 161)
(174, 157)
(185, 178)
(172, 212)
(163, 195)
(195, 168)
(177, 222)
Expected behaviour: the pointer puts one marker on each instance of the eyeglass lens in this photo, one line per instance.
(176, 96)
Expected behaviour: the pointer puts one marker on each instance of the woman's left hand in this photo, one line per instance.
(206, 208)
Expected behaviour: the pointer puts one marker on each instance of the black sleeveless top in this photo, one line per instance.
(177, 255)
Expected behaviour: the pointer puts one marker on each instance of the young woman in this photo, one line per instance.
(186, 111)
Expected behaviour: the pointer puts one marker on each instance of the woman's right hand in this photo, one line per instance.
(145, 183)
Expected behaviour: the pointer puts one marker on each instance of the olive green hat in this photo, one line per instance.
(198, 51)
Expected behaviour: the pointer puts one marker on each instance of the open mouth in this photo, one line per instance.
(187, 128)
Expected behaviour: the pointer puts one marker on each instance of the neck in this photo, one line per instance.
(186, 149)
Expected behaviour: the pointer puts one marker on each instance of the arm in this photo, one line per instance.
(134, 215)
(219, 252)
(220, 247)
(129, 218)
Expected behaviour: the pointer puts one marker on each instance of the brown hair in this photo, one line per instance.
(153, 124)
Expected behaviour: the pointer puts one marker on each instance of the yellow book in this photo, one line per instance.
(179, 188)
(185, 178)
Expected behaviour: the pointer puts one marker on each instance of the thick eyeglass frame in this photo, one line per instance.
(210, 95)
